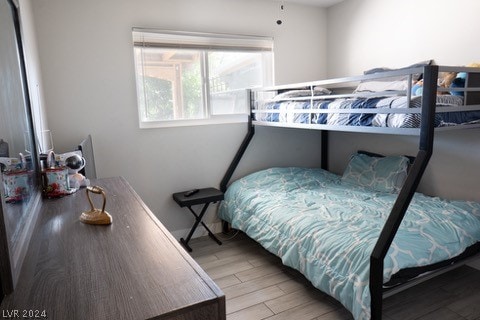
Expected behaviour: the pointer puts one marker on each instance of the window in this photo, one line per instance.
(195, 78)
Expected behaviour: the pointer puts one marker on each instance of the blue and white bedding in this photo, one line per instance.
(287, 112)
(326, 227)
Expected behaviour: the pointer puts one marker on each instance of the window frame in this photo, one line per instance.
(204, 43)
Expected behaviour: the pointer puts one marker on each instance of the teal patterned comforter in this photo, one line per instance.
(327, 228)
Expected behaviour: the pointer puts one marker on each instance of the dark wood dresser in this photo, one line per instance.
(131, 269)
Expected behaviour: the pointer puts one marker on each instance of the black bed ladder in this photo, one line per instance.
(406, 193)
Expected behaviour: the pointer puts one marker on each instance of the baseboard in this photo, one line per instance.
(200, 232)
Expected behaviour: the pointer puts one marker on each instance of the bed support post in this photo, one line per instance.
(324, 150)
(406, 193)
(238, 156)
(241, 150)
(234, 164)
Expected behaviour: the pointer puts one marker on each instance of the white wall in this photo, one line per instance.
(371, 33)
(86, 56)
(29, 39)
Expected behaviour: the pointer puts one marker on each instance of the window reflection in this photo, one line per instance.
(18, 154)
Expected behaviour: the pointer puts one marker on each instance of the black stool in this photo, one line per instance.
(202, 196)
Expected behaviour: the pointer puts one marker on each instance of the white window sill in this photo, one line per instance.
(223, 119)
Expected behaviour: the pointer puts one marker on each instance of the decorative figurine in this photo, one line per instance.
(75, 163)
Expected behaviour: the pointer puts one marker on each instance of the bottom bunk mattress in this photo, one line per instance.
(327, 228)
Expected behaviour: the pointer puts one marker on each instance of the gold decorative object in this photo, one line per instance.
(96, 216)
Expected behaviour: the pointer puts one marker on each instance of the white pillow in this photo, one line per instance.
(379, 86)
(318, 91)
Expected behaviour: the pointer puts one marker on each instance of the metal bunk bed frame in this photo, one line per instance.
(424, 153)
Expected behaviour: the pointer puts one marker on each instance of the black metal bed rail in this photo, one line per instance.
(406, 194)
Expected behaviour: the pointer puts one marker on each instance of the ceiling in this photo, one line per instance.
(318, 3)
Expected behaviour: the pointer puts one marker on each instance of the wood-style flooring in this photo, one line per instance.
(257, 286)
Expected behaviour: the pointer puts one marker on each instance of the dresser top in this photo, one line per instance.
(131, 269)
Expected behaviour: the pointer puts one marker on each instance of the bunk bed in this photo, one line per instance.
(364, 235)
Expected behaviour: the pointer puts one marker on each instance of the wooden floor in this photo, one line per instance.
(258, 286)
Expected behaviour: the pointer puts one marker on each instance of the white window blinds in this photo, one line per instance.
(196, 40)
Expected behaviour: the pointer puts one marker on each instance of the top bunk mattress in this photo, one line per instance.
(326, 228)
(374, 102)
(312, 112)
